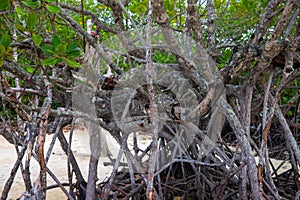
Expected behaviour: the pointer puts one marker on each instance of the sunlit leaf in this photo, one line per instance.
(4, 5)
(1, 62)
(21, 27)
(55, 41)
(72, 63)
(61, 48)
(37, 39)
(29, 69)
(49, 61)
(218, 3)
(5, 40)
(47, 49)
(32, 21)
(53, 8)
(32, 4)
(9, 53)
(2, 49)
(72, 46)
(20, 11)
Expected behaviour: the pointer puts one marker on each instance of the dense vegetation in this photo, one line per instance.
(215, 83)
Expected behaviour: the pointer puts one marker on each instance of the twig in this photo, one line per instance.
(132, 21)
(211, 26)
(115, 169)
(270, 189)
(242, 139)
(289, 28)
(49, 187)
(13, 172)
(70, 174)
(95, 147)
(265, 20)
(283, 21)
(174, 160)
(32, 91)
(99, 49)
(99, 24)
(135, 190)
(58, 183)
(58, 128)
(80, 180)
(263, 150)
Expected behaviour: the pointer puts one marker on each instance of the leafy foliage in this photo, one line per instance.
(5, 50)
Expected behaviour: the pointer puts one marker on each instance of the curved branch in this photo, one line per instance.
(100, 25)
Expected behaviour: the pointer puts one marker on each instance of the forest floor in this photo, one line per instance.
(57, 163)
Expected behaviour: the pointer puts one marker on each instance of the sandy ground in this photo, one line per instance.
(57, 163)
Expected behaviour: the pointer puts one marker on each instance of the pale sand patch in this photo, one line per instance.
(57, 163)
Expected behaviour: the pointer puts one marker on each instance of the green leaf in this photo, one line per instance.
(1, 62)
(55, 41)
(32, 21)
(73, 54)
(49, 61)
(2, 49)
(37, 39)
(31, 3)
(61, 49)
(8, 53)
(5, 40)
(59, 60)
(72, 63)
(20, 11)
(30, 69)
(72, 46)
(47, 49)
(219, 3)
(4, 5)
(53, 9)
(73, 50)
(21, 27)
